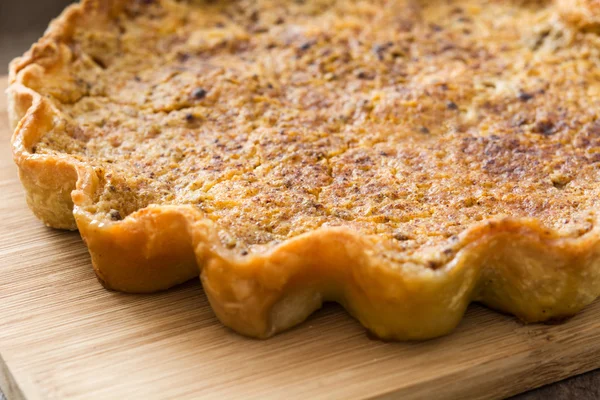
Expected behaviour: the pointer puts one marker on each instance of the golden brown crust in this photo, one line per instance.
(515, 265)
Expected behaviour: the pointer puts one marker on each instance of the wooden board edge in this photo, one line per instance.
(8, 383)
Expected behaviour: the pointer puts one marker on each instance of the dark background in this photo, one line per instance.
(22, 22)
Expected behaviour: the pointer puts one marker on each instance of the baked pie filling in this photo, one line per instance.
(400, 157)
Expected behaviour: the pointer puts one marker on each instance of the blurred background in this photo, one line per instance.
(22, 22)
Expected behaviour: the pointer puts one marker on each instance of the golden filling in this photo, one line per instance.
(411, 120)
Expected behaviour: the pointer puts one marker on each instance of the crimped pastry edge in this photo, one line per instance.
(512, 265)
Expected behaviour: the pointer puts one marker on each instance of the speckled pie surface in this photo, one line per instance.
(410, 120)
(404, 124)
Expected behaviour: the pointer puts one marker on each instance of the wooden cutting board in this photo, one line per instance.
(63, 336)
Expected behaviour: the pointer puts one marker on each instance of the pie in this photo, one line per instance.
(400, 157)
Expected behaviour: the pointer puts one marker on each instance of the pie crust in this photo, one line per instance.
(401, 285)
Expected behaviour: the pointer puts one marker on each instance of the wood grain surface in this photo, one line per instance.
(64, 336)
